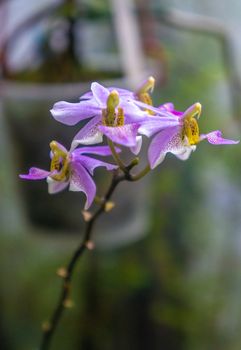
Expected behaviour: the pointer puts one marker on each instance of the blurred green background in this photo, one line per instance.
(166, 270)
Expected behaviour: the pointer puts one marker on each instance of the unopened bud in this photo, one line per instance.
(68, 303)
(109, 206)
(62, 272)
(90, 245)
(46, 326)
(86, 215)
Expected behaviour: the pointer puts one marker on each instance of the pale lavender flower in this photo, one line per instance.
(73, 169)
(180, 139)
(94, 105)
(113, 113)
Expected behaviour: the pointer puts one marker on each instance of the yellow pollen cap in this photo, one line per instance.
(113, 100)
(146, 86)
(53, 145)
(198, 109)
(193, 111)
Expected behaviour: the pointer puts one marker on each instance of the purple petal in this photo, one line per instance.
(136, 149)
(100, 94)
(169, 106)
(71, 113)
(99, 150)
(91, 163)
(165, 141)
(81, 181)
(86, 96)
(123, 135)
(215, 138)
(35, 174)
(162, 112)
(155, 124)
(89, 134)
(56, 186)
(184, 152)
(122, 93)
(133, 114)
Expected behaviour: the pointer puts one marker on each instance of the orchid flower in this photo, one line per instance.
(180, 139)
(73, 169)
(112, 113)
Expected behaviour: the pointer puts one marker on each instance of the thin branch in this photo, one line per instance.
(67, 274)
(116, 156)
(141, 174)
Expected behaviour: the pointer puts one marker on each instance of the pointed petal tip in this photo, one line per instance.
(215, 138)
(94, 84)
(35, 174)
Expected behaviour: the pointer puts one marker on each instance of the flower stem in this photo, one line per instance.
(141, 174)
(67, 273)
(116, 156)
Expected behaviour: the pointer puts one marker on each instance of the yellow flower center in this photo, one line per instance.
(59, 162)
(109, 115)
(190, 128)
(145, 97)
(143, 94)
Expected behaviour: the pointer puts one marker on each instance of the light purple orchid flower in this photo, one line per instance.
(73, 169)
(180, 139)
(112, 112)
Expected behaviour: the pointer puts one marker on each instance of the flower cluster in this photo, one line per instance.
(123, 117)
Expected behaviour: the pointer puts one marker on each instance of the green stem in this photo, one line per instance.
(116, 156)
(50, 327)
(141, 174)
(126, 169)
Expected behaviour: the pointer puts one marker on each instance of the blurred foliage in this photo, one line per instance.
(65, 64)
(177, 288)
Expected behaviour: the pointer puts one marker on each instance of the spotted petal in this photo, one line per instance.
(215, 138)
(165, 141)
(82, 181)
(184, 152)
(124, 135)
(89, 134)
